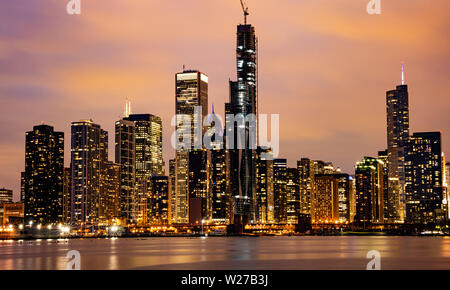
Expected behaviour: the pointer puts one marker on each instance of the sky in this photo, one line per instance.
(324, 66)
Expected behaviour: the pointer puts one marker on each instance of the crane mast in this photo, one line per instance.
(245, 10)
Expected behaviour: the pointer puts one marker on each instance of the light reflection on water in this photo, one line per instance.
(215, 253)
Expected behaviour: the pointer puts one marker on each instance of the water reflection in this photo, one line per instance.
(230, 253)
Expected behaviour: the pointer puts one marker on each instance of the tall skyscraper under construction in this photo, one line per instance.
(244, 102)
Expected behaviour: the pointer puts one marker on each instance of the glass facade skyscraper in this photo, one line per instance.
(244, 101)
(191, 182)
(397, 106)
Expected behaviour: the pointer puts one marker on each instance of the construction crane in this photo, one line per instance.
(245, 10)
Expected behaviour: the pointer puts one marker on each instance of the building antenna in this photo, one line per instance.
(127, 112)
(245, 10)
(403, 73)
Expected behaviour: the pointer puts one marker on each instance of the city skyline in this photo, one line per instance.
(311, 138)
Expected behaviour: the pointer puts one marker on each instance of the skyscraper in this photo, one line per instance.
(264, 188)
(369, 191)
(325, 199)
(149, 161)
(280, 190)
(389, 201)
(424, 178)
(160, 206)
(219, 170)
(44, 165)
(125, 144)
(110, 208)
(397, 107)
(191, 182)
(244, 102)
(67, 189)
(305, 169)
(89, 143)
(292, 196)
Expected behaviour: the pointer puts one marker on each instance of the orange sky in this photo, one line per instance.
(324, 66)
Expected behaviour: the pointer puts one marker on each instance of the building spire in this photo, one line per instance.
(127, 112)
(403, 73)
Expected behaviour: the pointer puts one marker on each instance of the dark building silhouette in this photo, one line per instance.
(424, 178)
(44, 166)
(160, 200)
(369, 191)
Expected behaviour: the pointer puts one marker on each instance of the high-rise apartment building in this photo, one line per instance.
(89, 151)
(424, 178)
(125, 145)
(44, 166)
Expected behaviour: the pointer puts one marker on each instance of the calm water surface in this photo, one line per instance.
(229, 253)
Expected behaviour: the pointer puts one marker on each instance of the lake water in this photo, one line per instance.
(230, 253)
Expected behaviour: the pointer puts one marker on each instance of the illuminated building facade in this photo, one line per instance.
(325, 199)
(447, 187)
(305, 169)
(44, 165)
(172, 196)
(264, 209)
(89, 151)
(388, 200)
(280, 190)
(219, 182)
(110, 201)
(191, 180)
(67, 189)
(149, 161)
(424, 178)
(6, 195)
(397, 107)
(125, 144)
(369, 191)
(292, 196)
(13, 213)
(244, 101)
